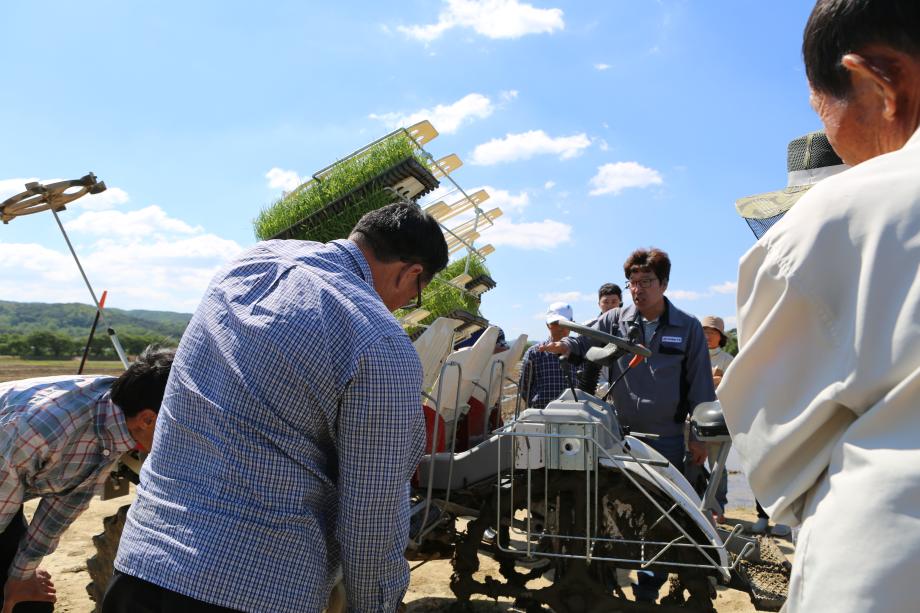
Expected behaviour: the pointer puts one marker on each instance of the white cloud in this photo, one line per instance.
(508, 95)
(729, 287)
(11, 187)
(731, 322)
(681, 294)
(109, 199)
(285, 180)
(505, 200)
(490, 18)
(602, 67)
(145, 259)
(614, 178)
(544, 235)
(602, 144)
(427, 33)
(446, 118)
(569, 297)
(149, 221)
(549, 185)
(525, 145)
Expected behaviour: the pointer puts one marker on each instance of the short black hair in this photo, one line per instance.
(143, 384)
(402, 231)
(838, 27)
(609, 289)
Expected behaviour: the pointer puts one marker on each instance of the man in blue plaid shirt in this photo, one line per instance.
(543, 376)
(289, 433)
(59, 437)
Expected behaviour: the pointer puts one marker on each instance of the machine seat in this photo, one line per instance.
(708, 422)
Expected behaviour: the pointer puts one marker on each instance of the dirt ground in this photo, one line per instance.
(12, 369)
(429, 590)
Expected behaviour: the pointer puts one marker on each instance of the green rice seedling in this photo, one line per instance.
(440, 297)
(352, 179)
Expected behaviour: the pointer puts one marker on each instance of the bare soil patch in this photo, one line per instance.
(13, 369)
(429, 590)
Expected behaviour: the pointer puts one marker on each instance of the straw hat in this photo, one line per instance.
(809, 159)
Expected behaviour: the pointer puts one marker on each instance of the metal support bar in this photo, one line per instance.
(715, 477)
(111, 331)
(453, 446)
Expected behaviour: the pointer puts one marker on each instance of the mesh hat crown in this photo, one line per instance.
(809, 159)
(811, 152)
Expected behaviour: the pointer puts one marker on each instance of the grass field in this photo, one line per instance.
(12, 369)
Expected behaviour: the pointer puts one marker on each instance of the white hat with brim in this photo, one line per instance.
(557, 311)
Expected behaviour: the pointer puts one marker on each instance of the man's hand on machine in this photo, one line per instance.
(38, 587)
(554, 347)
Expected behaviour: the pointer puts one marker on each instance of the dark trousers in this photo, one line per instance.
(9, 544)
(127, 594)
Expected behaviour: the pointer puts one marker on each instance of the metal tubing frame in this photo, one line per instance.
(724, 571)
(437, 279)
(498, 402)
(715, 476)
(316, 176)
(109, 329)
(423, 531)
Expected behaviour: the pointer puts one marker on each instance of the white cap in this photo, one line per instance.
(557, 311)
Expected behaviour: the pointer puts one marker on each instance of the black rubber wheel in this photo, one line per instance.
(102, 565)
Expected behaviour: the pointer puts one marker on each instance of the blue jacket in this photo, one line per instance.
(657, 395)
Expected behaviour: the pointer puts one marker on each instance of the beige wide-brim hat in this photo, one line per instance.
(716, 323)
(809, 159)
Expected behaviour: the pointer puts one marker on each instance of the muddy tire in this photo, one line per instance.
(102, 565)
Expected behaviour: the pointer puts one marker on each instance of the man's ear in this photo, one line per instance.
(146, 418)
(412, 271)
(878, 72)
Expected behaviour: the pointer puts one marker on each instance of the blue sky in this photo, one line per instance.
(598, 127)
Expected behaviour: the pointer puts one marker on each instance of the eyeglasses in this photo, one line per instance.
(418, 297)
(633, 284)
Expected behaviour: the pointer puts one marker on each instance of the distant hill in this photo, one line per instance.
(74, 320)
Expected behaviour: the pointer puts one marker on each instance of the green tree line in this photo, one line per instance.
(54, 345)
(73, 320)
(732, 345)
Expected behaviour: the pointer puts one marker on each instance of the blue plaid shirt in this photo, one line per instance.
(543, 377)
(290, 428)
(59, 436)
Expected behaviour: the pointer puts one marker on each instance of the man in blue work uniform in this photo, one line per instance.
(656, 396)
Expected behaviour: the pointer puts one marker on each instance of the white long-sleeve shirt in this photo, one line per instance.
(823, 400)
